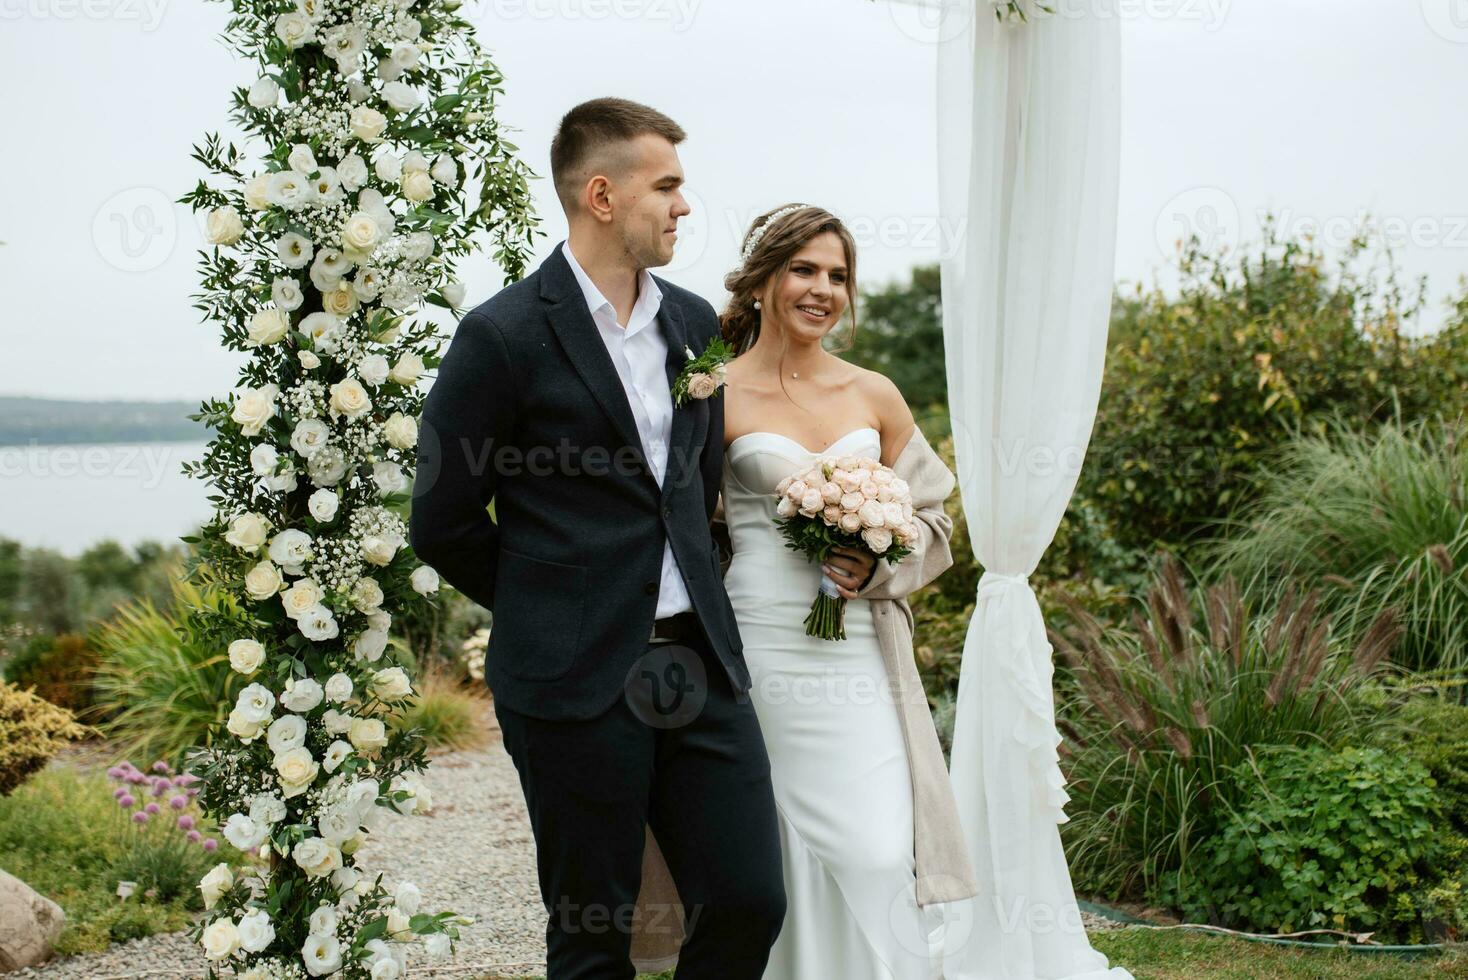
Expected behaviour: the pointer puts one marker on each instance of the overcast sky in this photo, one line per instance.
(1318, 109)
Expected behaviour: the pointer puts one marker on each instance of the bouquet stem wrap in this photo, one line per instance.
(827, 617)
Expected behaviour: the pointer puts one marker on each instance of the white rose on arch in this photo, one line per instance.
(391, 684)
(246, 656)
(400, 96)
(263, 581)
(256, 931)
(424, 580)
(213, 885)
(291, 549)
(253, 408)
(367, 124)
(317, 624)
(264, 94)
(243, 833)
(301, 694)
(381, 549)
(323, 505)
(407, 370)
(247, 532)
(389, 478)
(373, 369)
(223, 226)
(400, 431)
(370, 645)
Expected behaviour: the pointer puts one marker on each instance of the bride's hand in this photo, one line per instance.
(849, 568)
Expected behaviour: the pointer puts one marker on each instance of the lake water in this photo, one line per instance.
(69, 497)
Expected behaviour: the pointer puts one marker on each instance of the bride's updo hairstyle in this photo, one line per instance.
(777, 236)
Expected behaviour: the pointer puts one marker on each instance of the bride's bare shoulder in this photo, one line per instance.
(894, 417)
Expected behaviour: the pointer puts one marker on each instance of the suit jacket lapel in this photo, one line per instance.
(670, 318)
(577, 332)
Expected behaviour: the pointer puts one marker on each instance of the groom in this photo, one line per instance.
(615, 662)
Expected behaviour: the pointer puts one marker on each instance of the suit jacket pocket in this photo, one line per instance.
(538, 611)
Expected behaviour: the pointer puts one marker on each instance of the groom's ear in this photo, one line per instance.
(596, 199)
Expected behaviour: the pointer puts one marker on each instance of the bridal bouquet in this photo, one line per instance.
(850, 502)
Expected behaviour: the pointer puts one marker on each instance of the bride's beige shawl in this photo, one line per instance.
(944, 870)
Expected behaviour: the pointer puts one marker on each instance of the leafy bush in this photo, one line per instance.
(32, 731)
(160, 682)
(1320, 839)
(1157, 713)
(1434, 733)
(1200, 390)
(1375, 519)
(60, 669)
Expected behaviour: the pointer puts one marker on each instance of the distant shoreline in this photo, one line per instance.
(27, 422)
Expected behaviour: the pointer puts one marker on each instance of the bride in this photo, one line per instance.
(868, 827)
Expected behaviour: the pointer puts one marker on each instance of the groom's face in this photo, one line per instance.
(648, 201)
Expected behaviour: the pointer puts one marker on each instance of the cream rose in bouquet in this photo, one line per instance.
(843, 502)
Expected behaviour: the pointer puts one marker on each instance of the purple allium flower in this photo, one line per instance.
(160, 766)
(179, 802)
(194, 836)
(136, 777)
(160, 787)
(126, 800)
(210, 844)
(186, 822)
(152, 809)
(115, 772)
(140, 817)
(119, 793)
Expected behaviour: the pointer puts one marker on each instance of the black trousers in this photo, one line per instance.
(680, 753)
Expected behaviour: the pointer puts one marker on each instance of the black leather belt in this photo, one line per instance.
(681, 627)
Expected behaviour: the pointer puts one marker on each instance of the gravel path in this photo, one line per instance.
(473, 854)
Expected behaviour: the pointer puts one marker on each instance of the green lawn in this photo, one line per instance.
(1175, 955)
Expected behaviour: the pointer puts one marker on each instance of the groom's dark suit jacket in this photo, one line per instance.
(528, 411)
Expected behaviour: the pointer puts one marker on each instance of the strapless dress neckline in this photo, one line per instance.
(800, 446)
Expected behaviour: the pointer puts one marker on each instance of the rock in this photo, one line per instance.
(29, 924)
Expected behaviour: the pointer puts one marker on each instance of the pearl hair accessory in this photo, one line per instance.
(759, 233)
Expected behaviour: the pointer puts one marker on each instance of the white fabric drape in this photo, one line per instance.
(1029, 124)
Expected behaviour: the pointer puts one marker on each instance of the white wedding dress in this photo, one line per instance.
(837, 757)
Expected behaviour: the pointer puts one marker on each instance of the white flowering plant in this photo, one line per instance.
(382, 165)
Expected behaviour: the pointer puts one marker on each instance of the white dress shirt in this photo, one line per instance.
(639, 352)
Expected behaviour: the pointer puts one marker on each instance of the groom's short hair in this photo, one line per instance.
(590, 134)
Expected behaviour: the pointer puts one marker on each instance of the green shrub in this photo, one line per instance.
(1200, 389)
(32, 731)
(1155, 714)
(1320, 838)
(161, 682)
(1375, 519)
(1434, 733)
(60, 669)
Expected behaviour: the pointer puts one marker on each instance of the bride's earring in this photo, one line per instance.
(756, 304)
